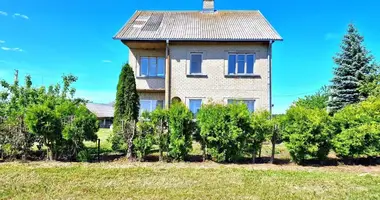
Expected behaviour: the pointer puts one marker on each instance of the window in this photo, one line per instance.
(241, 63)
(196, 63)
(250, 103)
(150, 105)
(152, 66)
(195, 105)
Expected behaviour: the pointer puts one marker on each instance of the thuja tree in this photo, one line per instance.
(306, 133)
(357, 129)
(127, 107)
(354, 67)
(181, 127)
(262, 128)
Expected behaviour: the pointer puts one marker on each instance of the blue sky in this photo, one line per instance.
(49, 38)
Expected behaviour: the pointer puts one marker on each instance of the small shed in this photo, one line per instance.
(104, 113)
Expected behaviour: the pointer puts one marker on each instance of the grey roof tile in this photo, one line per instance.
(194, 25)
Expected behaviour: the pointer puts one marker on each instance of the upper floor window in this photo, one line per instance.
(152, 66)
(241, 63)
(195, 105)
(250, 103)
(196, 63)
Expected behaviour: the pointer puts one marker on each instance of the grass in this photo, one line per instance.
(118, 180)
(105, 145)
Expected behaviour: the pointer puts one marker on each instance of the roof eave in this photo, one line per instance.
(203, 40)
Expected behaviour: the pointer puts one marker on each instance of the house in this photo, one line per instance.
(197, 56)
(104, 113)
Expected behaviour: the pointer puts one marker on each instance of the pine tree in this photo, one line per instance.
(354, 65)
(127, 107)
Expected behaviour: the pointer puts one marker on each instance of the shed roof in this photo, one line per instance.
(101, 110)
(198, 26)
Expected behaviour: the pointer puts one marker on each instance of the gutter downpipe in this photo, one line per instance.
(270, 77)
(167, 76)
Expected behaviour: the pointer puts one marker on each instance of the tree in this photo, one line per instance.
(306, 133)
(317, 100)
(144, 139)
(43, 121)
(159, 119)
(262, 128)
(127, 107)
(357, 130)
(181, 127)
(354, 66)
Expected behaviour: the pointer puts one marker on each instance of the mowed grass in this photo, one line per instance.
(103, 135)
(181, 181)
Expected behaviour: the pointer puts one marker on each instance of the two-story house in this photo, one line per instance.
(201, 56)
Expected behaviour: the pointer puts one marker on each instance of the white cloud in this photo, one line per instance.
(2, 41)
(3, 13)
(11, 49)
(20, 15)
(331, 36)
(106, 61)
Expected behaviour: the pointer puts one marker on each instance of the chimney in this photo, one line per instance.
(208, 6)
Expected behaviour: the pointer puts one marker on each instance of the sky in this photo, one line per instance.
(47, 39)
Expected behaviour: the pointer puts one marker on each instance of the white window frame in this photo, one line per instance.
(189, 68)
(245, 63)
(157, 58)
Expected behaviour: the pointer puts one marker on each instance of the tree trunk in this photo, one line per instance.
(204, 152)
(254, 156)
(161, 155)
(273, 141)
(130, 143)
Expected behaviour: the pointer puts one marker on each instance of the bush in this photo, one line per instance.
(181, 127)
(84, 156)
(144, 138)
(223, 130)
(159, 119)
(262, 128)
(357, 129)
(307, 134)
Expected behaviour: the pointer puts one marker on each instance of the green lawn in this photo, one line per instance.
(117, 180)
(103, 135)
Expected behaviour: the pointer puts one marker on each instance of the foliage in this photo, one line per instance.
(127, 107)
(43, 121)
(145, 136)
(306, 133)
(262, 129)
(317, 100)
(354, 67)
(181, 127)
(159, 119)
(223, 129)
(357, 129)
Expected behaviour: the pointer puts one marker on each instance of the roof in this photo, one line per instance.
(101, 110)
(198, 26)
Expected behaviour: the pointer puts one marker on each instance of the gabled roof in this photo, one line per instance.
(101, 110)
(198, 26)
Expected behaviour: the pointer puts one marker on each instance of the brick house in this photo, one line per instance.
(198, 56)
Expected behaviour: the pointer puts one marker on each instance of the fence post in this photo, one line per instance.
(98, 150)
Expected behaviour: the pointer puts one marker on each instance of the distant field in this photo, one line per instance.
(118, 180)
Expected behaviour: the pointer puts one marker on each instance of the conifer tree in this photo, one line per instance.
(354, 66)
(127, 107)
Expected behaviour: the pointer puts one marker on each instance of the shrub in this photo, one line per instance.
(144, 138)
(181, 127)
(159, 119)
(84, 156)
(357, 129)
(223, 130)
(307, 134)
(262, 128)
